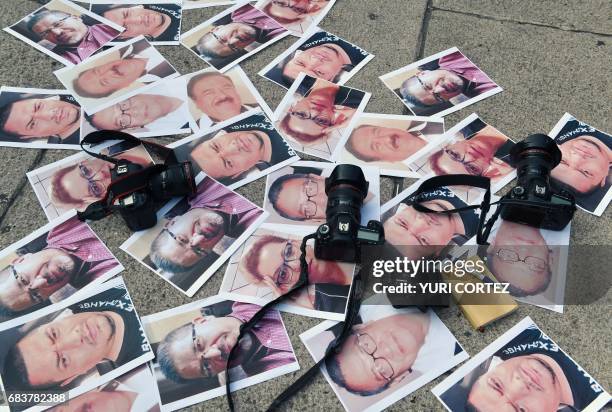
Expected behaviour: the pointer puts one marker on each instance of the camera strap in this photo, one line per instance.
(353, 306)
(437, 182)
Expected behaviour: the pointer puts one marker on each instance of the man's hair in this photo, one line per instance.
(335, 373)
(434, 163)
(205, 52)
(518, 292)
(15, 373)
(78, 89)
(164, 354)
(195, 79)
(470, 407)
(163, 263)
(5, 113)
(275, 190)
(302, 137)
(251, 259)
(58, 193)
(350, 147)
(37, 17)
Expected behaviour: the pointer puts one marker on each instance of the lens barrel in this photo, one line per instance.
(534, 158)
(346, 188)
(176, 180)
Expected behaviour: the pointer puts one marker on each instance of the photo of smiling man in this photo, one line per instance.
(159, 21)
(585, 168)
(523, 369)
(76, 346)
(239, 152)
(440, 84)
(389, 354)
(298, 16)
(39, 118)
(116, 74)
(232, 36)
(192, 343)
(65, 31)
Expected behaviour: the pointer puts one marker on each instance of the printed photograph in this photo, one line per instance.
(389, 142)
(471, 147)
(116, 74)
(160, 111)
(194, 237)
(159, 21)
(81, 345)
(440, 84)
(79, 180)
(315, 115)
(296, 15)
(39, 118)
(192, 344)
(319, 54)
(215, 97)
(525, 369)
(128, 393)
(232, 36)
(295, 195)
(585, 165)
(389, 354)
(56, 261)
(65, 31)
(236, 151)
(416, 234)
(196, 4)
(268, 266)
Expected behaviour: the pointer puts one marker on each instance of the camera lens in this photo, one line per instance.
(534, 158)
(175, 180)
(346, 189)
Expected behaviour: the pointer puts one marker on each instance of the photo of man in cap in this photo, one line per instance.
(156, 22)
(72, 255)
(32, 116)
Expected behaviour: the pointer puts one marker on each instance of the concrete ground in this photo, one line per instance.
(550, 56)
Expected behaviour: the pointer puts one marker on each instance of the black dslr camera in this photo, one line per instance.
(342, 235)
(532, 201)
(135, 189)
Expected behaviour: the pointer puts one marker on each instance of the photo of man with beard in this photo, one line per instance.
(38, 117)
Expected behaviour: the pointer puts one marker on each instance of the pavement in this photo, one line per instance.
(550, 57)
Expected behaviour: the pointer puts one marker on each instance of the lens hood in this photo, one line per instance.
(537, 145)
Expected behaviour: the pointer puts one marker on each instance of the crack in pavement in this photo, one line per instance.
(529, 23)
(421, 39)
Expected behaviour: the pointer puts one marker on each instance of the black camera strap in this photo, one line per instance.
(353, 306)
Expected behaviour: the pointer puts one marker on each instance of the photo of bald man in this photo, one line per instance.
(76, 345)
(39, 118)
(388, 354)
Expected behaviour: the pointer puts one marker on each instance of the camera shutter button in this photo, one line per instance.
(518, 191)
(324, 229)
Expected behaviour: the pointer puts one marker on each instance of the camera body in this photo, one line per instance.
(341, 237)
(532, 201)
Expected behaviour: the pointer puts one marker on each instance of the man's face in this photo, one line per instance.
(138, 21)
(294, 9)
(88, 181)
(135, 112)
(61, 30)
(230, 154)
(204, 346)
(473, 156)
(409, 227)
(98, 401)
(523, 383)
(67, 347)
(325, 62)
(217, 97)
(34, 277)
(312, 115)
(397, 339)
(384, 143)
(36, 118)
(229, 39)
(585, 164)
(303, 198)
(188, 238)
(432, 87)
(112, 76)
(512, 242)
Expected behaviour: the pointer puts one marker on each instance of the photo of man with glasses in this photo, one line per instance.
(68, 254)
(67, 31)
(314, 119)
(296, 15)
(233, 35)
